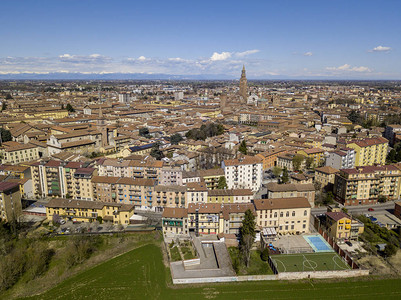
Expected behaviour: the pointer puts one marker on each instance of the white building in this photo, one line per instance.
(243, 173)
(341, 159)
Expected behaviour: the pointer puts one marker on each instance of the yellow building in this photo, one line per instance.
(10, 201)
(340, 226)
(87, 211)
(316, 154)
(370, 151)
(326, 176)
(230, 196)
(211, 177)
(14, 153)
(205, 218)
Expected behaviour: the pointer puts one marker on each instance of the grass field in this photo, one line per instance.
(309, 262)
(140, 274)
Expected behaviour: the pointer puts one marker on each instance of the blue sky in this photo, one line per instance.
(297, 39)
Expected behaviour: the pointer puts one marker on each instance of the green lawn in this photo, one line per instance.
(256, 265)
(186, 251)
(309, 262)
(140, 274)
(175, 254)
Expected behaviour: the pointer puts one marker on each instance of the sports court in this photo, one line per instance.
(304, 262)
(318, 243)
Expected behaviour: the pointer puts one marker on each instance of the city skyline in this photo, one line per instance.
(274, 40)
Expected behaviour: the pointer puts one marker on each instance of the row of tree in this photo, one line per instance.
(205, 131)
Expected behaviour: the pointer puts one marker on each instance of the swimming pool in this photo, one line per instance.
(318, 243)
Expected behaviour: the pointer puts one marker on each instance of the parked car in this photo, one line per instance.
(370, 209)
(349, 243)
(62, 222)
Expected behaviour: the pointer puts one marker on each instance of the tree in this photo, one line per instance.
(175, 139)
(242, 148)
(391, 157)
(284, 178)
(222, 183)
(277, 171)
(265, 254)
(156, 152)
(144, 131)
(5, 135)
(297, 161)
(328, 199)
(355, 117)
(390, 250)
(309, 162)
(62, 106)
(3, 106)
(69, 108)
(382, 199)
(8, 96)
(247, 236)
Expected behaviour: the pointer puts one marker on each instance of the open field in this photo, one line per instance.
(141, 274)
(309, 262)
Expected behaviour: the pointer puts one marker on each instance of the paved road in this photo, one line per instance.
(379, 208)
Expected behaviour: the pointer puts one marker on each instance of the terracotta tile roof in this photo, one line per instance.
(175, 212)
(337, 215)
(281, 203)
(327, 170)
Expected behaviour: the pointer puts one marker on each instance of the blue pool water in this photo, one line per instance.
(318, 243)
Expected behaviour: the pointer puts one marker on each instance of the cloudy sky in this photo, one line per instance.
(297, 39)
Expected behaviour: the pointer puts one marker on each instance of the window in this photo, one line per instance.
(305, 213)
(287, 214)
(281, 214)
(293, 213)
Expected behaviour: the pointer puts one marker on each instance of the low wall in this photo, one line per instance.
(280, 276)
(191, 262)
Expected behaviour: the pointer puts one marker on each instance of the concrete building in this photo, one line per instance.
(243, 173)
(10, 201)
(284, 215)
(275, 190)
(364, 185)
(341, 159)
(369, 152)
(326, 176)
(175, 221)
(230, 196)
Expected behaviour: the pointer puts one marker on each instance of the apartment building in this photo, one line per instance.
(233, 215)
(211, 177)
(175, 221)
(341, 226)
(344, 158)
(10, 201)
(170, 196)
(196, 192)
(15, 153)
(364, 185)
(285, 161)
(283, 215)
(204, 218)
(316, 154)
(243, 173)
(170, 176)
(88, 211)
(326, 176)
(391, 132)
(269, 158)
(369, 152)
(139, 192)
(230, 196)
(275, 190)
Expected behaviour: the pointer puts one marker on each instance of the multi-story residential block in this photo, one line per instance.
(204, 218)
(189, 177)
(80, 185)
(275, 190)
(196, 192)
(269, 158)
(10, 201)
(326, 176)
(364, 185)
(284, 215)
(341, 226)
(369, 152)
(243, 173)
(341, 159)
(14, 153)
(317, 154)
(78, 141)
(175, 221)
(19, 172)
(170, 196)
(233, 215)
(139, 168)
(285, 161)
(170, 176)
(139, 192)
(391, 132)
(88, 211)
(211, 177)
(230, 196)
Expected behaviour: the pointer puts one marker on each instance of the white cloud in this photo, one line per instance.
(380, 49)
(308, 53)
(142, 58)
(247, 52)
(349, 68)
(220, 56)
(92, 58)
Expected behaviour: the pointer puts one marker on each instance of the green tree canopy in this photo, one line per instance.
(176, 138)
(156, 152)
(247, 235)
(69, 108)
(222, 183)
(297, 161)
(5, 135)
(242, 148)
(144, 131)
(285, 178)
